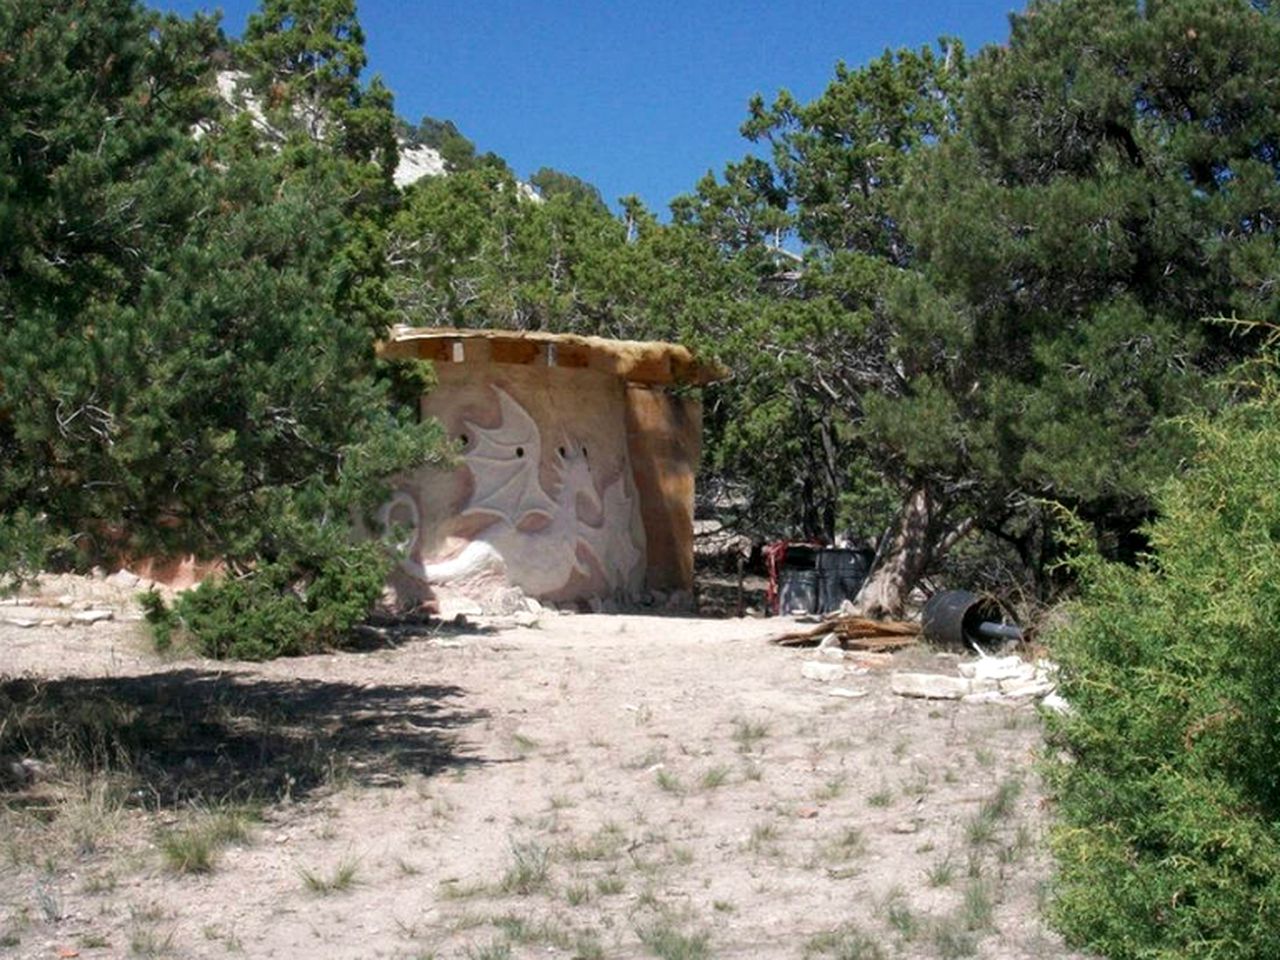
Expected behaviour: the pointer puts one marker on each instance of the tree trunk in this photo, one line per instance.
(885, 593)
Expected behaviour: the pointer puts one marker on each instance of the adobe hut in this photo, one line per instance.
(577, 468)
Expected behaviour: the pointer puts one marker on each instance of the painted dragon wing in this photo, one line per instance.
(503, 461)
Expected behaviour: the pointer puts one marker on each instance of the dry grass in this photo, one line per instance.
(343, 876)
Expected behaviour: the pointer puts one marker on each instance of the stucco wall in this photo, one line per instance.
(545, 496)
(664, 438)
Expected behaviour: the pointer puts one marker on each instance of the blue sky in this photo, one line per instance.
(636, 97)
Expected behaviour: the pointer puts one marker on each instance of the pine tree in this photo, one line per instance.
(187, 323)
(1008, 261)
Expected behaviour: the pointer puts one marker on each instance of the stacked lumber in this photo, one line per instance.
(855, 633)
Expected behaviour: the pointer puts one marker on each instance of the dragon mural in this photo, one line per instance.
(542, 534)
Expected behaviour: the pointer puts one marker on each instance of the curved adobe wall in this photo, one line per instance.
(545, 498)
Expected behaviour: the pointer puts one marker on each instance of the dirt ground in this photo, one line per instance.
(582, 786)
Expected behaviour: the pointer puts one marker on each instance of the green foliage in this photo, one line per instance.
(307, 55)
(267, 614)
(458, 152)
(24, 546)
(308, 581)
(550, 182)
(187, 324)
(981, 280)
(1169, 796)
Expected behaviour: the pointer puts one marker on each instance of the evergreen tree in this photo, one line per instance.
(550, 183)
(186, 324)
(1006, 262)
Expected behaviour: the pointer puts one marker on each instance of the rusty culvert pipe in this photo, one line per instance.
(958, 618)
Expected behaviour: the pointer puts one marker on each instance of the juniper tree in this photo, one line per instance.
(186, 328)
(1016, 254)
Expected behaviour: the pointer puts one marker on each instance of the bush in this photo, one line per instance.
(1167, 774)
(277, 609)
(24, 544)
(303, 579)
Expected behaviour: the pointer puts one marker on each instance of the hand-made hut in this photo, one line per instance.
(576, 471)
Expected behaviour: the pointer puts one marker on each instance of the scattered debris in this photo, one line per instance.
(985, 680)
(855, 633)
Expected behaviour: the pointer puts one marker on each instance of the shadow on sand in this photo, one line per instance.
(215, 737)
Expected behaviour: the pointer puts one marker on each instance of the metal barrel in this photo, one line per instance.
(958, 617)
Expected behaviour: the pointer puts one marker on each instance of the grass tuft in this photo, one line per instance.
(342, 878)
(848, 942)
(714, 777)
(748, 733)
(668, 942)
(669, 782)
(941, 873)
(529, 870)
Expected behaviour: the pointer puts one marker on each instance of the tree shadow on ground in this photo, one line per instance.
(214, 737)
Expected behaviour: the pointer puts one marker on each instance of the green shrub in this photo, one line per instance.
(277, 609)
(301, 577)
(24, 543)
(1168, 768)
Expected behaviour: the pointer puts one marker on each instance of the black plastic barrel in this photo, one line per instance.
(840, 576)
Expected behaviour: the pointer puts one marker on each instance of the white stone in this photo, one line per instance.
(24, 622)
(984, 686)
(822, 672)
(929, 686)
(123, 578)
(414, 163)
(92, 616)
(986, 696)
(998, 668)
(833, 654)
(845, 692)
(1056, 703)
(1035, 687)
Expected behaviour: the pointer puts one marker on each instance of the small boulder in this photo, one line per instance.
(998, 668)
(848, 693)
(1035, 687)
(822, 672)
(1056, 703)
(124, 579)
(92, 616)
(929, 686)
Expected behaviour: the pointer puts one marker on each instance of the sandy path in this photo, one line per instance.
(594, 786)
